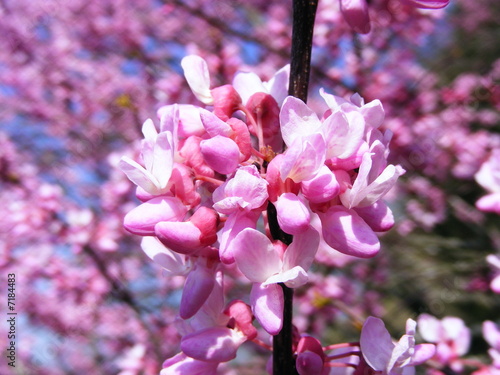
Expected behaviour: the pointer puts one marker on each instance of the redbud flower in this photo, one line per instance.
(488, 177)
(355, 12)
(491, 333)
(451, 336)
(258, 259)
(158, 156)
(494, 261)
(381, 354)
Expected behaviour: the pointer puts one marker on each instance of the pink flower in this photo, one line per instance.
(198, 78)
(491, 333)
(451, 336)
(142, 219)
(488, 177)
(494, 261)
(345, 231)
(374, 178)
(355, 13)
(158, 156)
(190, 236)
(258, 259)
(310, 357)
(427, 4)
(214, 334)
(181, 364)
(249, 83)
(381, 354)
(247, 190)
(172, 262)
(372, 112)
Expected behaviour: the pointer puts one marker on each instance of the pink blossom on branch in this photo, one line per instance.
(387, 357)
(451, 336)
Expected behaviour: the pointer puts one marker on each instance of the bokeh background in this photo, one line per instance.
(79, 77)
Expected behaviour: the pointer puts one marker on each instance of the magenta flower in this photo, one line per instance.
(249, 83)
(261, 263)
(494, 261)
(198, 78)
(142, 219)
(427, 4)
(374, 178)
(488, 177)
(451, 336)
(246, 191)
(382, 354)
(158, 156)
(181, 364)
(173, 264)
(356, 13)
(214, 334)
(491, 333)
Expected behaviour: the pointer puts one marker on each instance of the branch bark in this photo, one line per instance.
(304, 13)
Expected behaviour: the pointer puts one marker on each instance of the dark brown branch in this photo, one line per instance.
(304, 12)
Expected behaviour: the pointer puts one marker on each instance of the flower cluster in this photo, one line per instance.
(208, 176)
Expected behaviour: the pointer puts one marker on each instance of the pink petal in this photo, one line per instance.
(423, 352)
(322, 187)
(206, 220)
(247, 84)
(182, 364)
(234, 224)
(213, 124)
(302, 250)
(355, 12)
(427, 4)
(293, 214)
(344, 133)
(332, 101)
(169, 119)
(242, 314)
(293, 278)
(378, 216)
(246, 190)
(181, 237)
(267, 305)
(278, 84)
(309, 363)
(429, 327)
(303, 158)
(198, 77)
(373, 113)
(376, 343)
(142, 219)
(140, 176)
(214, 344)
(198, 286)
(297, 120)
(226, 101)
(173, 263)
(220, 153)
(489, 203)
(255, 255)
(402, 352)
(495, 284)
(345, 231)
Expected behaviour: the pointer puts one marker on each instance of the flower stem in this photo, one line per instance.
(304, 13)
